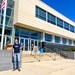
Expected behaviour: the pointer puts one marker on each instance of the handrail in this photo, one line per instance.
(56, 50)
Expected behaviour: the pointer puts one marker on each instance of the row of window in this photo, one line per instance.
(57, 39)
(22, 32)
(44, 15)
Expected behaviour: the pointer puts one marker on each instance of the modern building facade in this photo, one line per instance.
(33, 22)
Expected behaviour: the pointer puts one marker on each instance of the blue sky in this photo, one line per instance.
(65, 7)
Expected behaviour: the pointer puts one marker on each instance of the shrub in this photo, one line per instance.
(70, 49)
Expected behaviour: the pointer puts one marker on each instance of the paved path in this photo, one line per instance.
(58, 67)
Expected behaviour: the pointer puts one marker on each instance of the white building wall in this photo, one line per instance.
(25, 17)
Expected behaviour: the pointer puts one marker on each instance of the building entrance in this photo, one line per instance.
(27, 43)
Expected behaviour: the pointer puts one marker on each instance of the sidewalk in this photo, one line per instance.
(58, 67)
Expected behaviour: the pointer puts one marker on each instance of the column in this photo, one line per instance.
(72, 43)
(46, 16)
(61, 41)
(56, 20)
(13, 35)
(53, 39)
(67, 42)
(43, 37)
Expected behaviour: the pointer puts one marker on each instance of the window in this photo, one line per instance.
(64, 40)
(34, 34)
(24, 31)
(48, 37)
(9, 12)
(66, 26)
(71, 28)
(40, 13)
(70, 42)
(51, 18)
(7, 32)
(0, 30)
(10, 3)
(74, 42)
(7, 20)
(59, 22)
(37, 11)
(57, 39)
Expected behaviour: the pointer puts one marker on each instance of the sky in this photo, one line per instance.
(65, 7)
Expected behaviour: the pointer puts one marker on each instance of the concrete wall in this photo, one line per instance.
(5, 60)
(24, 16)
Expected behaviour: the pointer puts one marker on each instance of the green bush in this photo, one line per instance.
(70, 49)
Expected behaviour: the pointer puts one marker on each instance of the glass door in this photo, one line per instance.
(33, 43)
(25, 43)
(21, 41)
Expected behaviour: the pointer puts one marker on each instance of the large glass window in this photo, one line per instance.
(22, 32)
(51, 18)
(8, 30)
(34, 35)
(17, 31)
(48, 37)
(64, 40)
(74, 42)
(71, 28)
(70, 42)
(9, 13)
(66, 25)
(40, 13)
(57, 39)
(10, 3)
(59, 22)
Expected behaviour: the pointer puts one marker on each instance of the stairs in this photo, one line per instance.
(40, 57)
(28, 58)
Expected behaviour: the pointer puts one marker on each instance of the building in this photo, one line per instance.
(33, 22)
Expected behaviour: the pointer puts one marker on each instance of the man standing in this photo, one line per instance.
(16, 54)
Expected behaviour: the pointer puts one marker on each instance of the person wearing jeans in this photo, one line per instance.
(16, 54)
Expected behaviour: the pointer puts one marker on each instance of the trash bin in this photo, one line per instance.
(41, 50)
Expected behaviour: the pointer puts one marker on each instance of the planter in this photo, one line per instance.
(9, 47)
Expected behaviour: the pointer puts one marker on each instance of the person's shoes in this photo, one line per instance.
(14, 69)
(19, 70)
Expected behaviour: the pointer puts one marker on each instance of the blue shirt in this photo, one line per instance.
(16, 48)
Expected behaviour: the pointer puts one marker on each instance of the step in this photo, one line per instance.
(41, 57)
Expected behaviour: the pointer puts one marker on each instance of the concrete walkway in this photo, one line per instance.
(58, 67)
